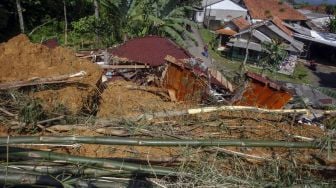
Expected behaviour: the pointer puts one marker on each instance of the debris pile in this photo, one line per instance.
(149, 127)
(23, 61)
(126, 99)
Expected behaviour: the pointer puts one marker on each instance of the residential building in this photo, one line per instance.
(318, 45)
(215, 13)
(259, 10)
(316, 21)
(263, 32)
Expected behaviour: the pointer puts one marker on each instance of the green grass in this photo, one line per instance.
(301, 73)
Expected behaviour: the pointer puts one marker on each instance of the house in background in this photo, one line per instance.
(259, 10)
(214, 13)
(237, 24)
(316, 21)
(231, 28)
(263, 32)
(318, 45)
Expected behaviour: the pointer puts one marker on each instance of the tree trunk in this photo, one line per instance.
(96, 8)
(19, 10)
(65, 23)
(96, 13)
(243, 68)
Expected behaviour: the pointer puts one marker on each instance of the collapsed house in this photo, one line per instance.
(264, 93)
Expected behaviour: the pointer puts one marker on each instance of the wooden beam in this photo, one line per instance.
(124, 66)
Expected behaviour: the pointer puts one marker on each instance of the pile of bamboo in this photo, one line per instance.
(43, 160)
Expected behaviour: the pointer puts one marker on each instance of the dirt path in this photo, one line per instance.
(195, 50)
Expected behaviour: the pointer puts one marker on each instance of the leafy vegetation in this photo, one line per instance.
(274, 54)
(95, 23)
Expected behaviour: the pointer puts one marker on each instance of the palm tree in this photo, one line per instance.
(168, 19)
(149, 17)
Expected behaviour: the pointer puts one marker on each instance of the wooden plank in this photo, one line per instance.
(42, 81)
(124, 66)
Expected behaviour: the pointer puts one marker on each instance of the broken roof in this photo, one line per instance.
(278, 22)
(293, 45)
(150, 50)
(269, 8)
(241, 23)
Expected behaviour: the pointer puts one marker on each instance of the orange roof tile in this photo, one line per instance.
(278, 22)
(264, 9)
(241, 23)
(228, 32)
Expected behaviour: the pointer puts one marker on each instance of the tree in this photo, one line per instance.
(274, 55)
(65, 23)
(332, 24)
(19, 11)
(136, 18)
(96, 8)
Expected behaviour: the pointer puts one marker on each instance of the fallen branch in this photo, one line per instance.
(42, 81)
(104, 140)
(51, 120)
(158, 91)
(235, 153)
(7, 112)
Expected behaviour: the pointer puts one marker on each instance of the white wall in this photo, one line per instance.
(225, 15)
(199, 16)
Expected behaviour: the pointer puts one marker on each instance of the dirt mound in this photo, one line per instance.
(21, 60)
(117, 100)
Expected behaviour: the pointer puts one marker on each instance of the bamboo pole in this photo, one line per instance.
(105, 140)
(19, 177)
(55, 170)
(212, 109)
(17, 153)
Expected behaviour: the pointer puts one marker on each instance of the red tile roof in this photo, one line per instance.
(241, 23)
(150, 50)
(278, 22)
(264, 9)
(227, 32)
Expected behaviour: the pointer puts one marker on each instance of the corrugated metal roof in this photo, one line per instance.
(264, 93)
(150, 50)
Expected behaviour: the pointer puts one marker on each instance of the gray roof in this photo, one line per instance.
(328, 39)
(298, 29)
(243, 44)
(312, 15)
(295, 46)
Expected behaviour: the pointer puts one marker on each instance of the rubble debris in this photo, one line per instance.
(186, 85)
(21, 60)
(119, 100)
(263, 92)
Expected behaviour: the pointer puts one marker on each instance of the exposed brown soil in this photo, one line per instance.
(117, 100)
(21, 60)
